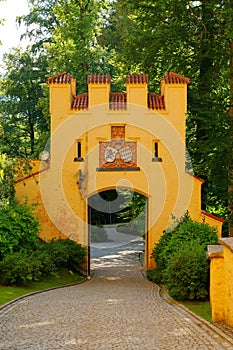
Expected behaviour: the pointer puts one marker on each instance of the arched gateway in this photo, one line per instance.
(102, 140)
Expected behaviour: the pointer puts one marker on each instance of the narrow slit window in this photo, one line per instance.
(156, 150)
(79, 152)
(156, 157)
(79, 149)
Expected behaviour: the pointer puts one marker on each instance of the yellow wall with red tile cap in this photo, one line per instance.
(66, 181)
(221, 280)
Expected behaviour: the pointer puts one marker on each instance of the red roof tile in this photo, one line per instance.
(32, 175)
(155, 101)
(212, 216)
(137, 78)
(195, 177)
(63, 78)
(174, 78)
(80, 102)
(99, 79)
(117, 100)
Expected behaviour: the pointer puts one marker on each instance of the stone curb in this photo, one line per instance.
(28, 295)
(25, 296)
(165, 296)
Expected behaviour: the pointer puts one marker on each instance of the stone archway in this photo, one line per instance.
(102, 140)
(117, 220)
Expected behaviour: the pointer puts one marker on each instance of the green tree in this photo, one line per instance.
(134, 204)
(133, 213)
(105, 206)
(68, 31)
(193, 38)
(40, 21)
(7, 180)
(23, 121)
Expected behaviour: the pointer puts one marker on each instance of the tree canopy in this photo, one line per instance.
(192, 38)
(21, 114)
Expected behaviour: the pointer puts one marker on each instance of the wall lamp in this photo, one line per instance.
(81, 178)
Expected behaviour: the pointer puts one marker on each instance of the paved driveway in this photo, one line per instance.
(116, 309)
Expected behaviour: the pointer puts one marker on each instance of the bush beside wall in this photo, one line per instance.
(181, 263)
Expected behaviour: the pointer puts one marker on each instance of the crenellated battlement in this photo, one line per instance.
(171, 102)
(99, 91)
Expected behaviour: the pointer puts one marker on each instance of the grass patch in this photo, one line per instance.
(62, 277)
(201, 308)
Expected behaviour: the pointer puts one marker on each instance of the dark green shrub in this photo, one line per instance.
(75, 252)
(188, 231)
(26, 266)
(168, 234)
(64, 252)
(98, 234)
(45, 261)
(22, 258)
(18, 228)
(19, 268)
(154, 275)
(186, 275)
(174, 248)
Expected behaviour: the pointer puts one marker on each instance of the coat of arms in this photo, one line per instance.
(118, 154)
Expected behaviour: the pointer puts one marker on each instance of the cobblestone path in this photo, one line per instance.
(116, 309)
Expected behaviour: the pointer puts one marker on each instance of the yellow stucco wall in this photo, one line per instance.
(217, 294)
(169, 189)
(228, 276)
(29, 189)
(221, 280)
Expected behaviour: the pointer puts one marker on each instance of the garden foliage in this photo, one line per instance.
(18, 228)
(181, 263)
(28, 265)
(23, 257)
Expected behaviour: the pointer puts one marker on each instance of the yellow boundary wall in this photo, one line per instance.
(221, 280)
